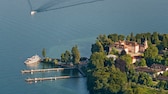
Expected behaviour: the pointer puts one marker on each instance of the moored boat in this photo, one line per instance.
(33, 59)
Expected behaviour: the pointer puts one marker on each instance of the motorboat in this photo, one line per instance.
(33, 12)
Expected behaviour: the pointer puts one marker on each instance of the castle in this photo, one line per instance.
(130, 46)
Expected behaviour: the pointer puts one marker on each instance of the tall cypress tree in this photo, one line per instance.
(44, 52)
(75, 55)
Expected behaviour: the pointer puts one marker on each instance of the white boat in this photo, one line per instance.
(33, 59)
(33, 12)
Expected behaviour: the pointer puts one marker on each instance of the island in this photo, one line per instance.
(131, 64)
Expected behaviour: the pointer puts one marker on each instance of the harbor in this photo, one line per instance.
(57, 68)
(37, 79)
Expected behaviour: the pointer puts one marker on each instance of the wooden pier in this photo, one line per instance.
(44, 70)
(29, 80)
(46, 78)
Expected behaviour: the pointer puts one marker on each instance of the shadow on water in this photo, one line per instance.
(47, 6)
(73, 72)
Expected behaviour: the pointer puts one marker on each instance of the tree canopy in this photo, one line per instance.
(75, 55)
(150, 54)
(142, 62)
(106, 76)
(66, 57)
(97, 47)
(127, 58)
(97, 60)
(44, 52)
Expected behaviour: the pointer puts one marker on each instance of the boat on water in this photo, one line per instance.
(32, 60)
(33, 12)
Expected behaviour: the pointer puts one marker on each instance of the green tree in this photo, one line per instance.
(114, 51)
(106, 80)
(101, 81)
(138, 38)
(44, 52)
(165, 61)
(142, 62)
(121, 37)
(109, 62)
(164, 43)
(127, 58)
(150, 53)
(165, 73)
(128, 38)
(162, 85)
(97, 60)
(132, 75)
(75, 55)
(104, 40)
(62, 57)
(117, 80)
(67, 56)
(55, 61)
(155, 38)
(132, 38)
(138, 41)
(97, 47)
(138, 90)
(158, 59)
(165, 54)
(144, 79)
(148, 36)
(128, 91)
(113, 37)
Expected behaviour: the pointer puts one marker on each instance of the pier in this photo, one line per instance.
(30, 80)
(81, 72)
(45, 70)
(49, 78)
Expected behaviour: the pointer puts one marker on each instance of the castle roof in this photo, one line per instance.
(159, 66)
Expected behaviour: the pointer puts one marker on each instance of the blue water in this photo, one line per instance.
(23, 35)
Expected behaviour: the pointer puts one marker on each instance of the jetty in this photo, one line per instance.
(45, 70)
(30, 80)
(49, 78)
(81, 72)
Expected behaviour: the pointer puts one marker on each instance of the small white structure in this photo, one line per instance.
(112, 56)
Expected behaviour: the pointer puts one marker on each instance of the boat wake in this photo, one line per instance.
(58, 4)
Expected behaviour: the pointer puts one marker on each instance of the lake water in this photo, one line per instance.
(23, 35)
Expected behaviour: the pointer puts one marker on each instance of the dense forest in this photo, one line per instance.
(110, 76)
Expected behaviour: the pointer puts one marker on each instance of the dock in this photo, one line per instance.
(44, 70)
(30, 80)
(49, 78)
(81, 72)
